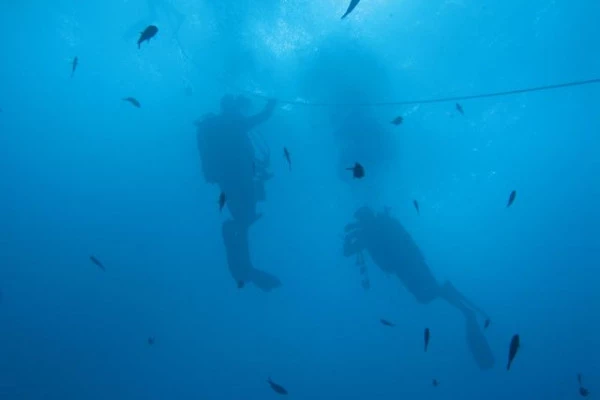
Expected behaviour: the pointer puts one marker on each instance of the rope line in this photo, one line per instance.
(446, 99)
(411, 102)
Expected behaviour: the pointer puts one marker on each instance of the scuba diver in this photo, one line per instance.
(229, 160)
(392, 248)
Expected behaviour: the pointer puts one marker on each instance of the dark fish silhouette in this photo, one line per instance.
(133, 101)
(277, 388)
(511, 198)
(74, 66)
(435, 383)
(353, 4)
(222, 201)
(515, 342)
(241, 284)
(426, 337)
(97, 263)
(416, 204)
(151, 340)
(460, 109)
(358, 171)
(387, 323)
(486, 324)
(147, 34)
(397, 121)
(286, 154)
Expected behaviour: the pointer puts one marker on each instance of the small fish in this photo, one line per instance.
(387, 323)
(397, 121)
(147, 34)
(277, 388)
(241, 284)
(74, 64)
(435, 383)
(358, 171)
(460, 109)
(486, 324)
(416, 204)
(222, 201)
(133, 101)
(353, 4)
(511, 198)
(426, 337)
(515, 343)
(286, 154)
(151, 340)
(98, 263)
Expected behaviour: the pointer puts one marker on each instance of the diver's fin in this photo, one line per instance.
(477, 343)
(263, 280)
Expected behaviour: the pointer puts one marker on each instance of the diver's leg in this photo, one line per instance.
(351, 246)
(453, 293)
(235, 239)
(449, 293)
(476, 341)
(241, 200)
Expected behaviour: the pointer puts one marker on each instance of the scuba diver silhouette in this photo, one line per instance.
(229, 160)
(392, 248)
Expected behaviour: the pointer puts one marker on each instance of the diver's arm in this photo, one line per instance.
(262, 116)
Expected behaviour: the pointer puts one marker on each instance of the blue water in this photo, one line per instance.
(84, 173)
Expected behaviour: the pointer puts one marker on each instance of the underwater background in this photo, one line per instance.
(84, 173)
